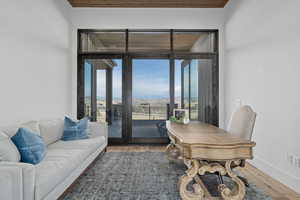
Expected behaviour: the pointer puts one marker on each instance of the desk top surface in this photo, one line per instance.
(199, 133)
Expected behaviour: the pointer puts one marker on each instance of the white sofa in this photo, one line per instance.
(63, 164)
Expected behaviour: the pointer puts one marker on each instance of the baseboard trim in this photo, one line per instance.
(282, 176)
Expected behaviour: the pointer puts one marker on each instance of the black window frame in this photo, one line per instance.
(127, 57)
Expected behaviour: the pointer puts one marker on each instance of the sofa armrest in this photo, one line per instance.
(17, 181)
(97, 129)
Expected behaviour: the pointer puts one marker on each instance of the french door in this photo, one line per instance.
(136, 95)
(103, 93)
(150, 99)
(131, 95)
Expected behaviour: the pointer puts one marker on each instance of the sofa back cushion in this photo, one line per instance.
(8, 151)
(51, 130)
(32, 126)
(30, 145)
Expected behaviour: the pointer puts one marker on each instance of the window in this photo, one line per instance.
(103, 42)
(197, 88)
(133, 79)
(87, 89)
(194, 42)
(148, 41)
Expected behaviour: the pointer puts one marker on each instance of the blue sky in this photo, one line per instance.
(150, 79)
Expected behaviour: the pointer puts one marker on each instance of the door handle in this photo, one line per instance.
(108, 117)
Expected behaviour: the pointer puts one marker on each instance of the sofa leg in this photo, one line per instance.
(105, 150)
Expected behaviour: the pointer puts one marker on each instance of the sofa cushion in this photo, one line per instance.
(32, 126)
(74, 130)
(31, 146)
(8, 151)
(62, 158)
(51, 130)
(90, 144)
(57, 165)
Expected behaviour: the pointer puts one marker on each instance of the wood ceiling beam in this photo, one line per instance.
(149, 3)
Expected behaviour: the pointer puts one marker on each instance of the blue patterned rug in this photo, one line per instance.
(139, 176)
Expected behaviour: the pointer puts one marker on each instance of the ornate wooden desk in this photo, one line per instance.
(206, 148)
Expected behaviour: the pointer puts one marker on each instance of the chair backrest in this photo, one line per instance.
(242, 122)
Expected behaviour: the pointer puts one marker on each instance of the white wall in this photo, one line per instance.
(262, 48)
(35, 71)
(262, 66)
(151, 18)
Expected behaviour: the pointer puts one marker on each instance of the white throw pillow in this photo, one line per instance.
(51, 130)
(8, 150)
(32, 126)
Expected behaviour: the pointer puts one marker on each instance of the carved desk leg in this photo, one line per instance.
(238, 192)
(198, 192)
(173, 152)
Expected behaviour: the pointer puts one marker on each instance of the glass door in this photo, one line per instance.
(103, 94)
(197, 87)
(150, 99)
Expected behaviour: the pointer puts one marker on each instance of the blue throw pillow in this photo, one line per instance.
(75, 130)
(31, 146)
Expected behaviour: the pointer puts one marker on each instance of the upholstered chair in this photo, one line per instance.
(242, 122)
(241, 125)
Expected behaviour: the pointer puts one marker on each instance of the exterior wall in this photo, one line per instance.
(262, 70)
(35, 72)
(155, 18)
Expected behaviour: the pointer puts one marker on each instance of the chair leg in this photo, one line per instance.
(245, 181)
(221, 181)
(220, 178)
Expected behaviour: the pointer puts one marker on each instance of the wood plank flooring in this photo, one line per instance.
(275, 189)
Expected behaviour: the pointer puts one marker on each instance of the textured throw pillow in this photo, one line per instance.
(31, 146)
(75, 130)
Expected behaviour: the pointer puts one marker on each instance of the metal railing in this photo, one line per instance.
(143, 111)
(147, 111)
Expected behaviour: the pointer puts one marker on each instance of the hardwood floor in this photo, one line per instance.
(275, 189)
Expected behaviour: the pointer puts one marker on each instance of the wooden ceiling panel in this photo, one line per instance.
(149, 3)
(141, 41)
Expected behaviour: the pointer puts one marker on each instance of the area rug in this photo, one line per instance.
(139, 176)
